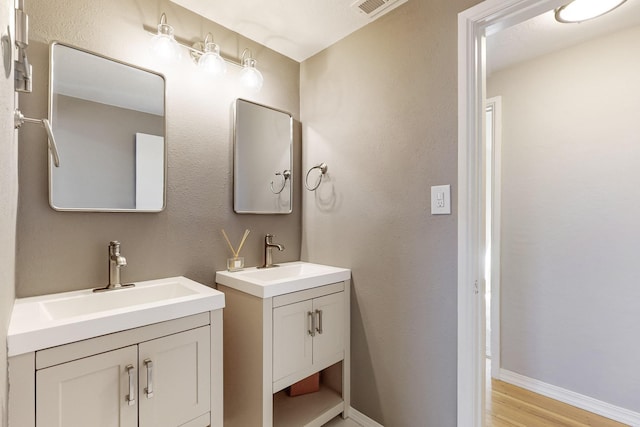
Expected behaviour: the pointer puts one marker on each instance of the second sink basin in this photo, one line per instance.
(287, 277)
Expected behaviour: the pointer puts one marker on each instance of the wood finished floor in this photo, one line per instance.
(509, 406)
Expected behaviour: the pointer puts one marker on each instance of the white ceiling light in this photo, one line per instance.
(583, 10)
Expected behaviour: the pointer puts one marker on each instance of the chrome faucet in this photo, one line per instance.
(268, 254)
(116, 262)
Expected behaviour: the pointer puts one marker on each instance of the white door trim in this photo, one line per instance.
(473, 24)
(495, 164)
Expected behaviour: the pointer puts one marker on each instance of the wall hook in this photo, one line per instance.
(20, 119)
(323, 170)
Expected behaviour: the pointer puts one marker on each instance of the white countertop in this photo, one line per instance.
(51, 320)
(288, 277)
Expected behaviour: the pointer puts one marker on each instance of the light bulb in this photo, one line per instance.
(250, 76)
(163, 45)
(584, 10)
(211, 62)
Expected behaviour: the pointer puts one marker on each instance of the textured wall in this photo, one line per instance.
(570, 207)
(379, 107)
(61, 251)
(8, 202)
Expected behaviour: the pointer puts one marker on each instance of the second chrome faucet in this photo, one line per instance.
(268, 251)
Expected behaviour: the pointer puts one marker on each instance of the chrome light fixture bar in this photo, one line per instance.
(584, 10)
(206, 54)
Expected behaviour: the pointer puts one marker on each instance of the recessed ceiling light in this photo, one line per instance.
(583, 10)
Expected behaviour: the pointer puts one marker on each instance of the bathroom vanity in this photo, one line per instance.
(282, 325)
(150, 355)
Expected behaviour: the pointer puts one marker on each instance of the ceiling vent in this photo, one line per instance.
(371, 8)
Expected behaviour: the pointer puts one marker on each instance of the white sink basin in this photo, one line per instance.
(288, 277)
(93, 303)
(51, 320)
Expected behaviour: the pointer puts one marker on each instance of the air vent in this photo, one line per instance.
(371, 8)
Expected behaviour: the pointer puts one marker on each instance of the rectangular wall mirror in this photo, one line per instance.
(108, 119)
(262, 159)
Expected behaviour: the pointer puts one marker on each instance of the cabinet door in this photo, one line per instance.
(292, 341)
(93, 391)
(328, 343)
(175, 378)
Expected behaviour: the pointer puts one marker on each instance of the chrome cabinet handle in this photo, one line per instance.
(312, 321)
(148, 390)
(319, 314)
(131, 397)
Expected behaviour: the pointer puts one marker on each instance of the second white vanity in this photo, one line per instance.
(282, 325)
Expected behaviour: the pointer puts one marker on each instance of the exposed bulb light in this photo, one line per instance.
(250, 77)
(583, 10)
(163, 44)
(210, 61)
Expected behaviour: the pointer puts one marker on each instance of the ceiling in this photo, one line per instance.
(543, 34)
(295, 28)
(299, 29)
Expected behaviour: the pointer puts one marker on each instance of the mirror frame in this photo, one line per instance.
(235, 166)
(50, 115)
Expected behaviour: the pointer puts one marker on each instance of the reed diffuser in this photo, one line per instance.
(237, 262)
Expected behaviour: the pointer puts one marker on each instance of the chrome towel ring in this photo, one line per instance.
(323, 170)
(286, 174)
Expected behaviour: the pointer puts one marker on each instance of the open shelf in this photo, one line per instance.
(309, 410)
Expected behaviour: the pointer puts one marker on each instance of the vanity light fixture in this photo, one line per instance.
(250, 76)
(210, 61)
(583, 10)
(163, 44)
(206, 55)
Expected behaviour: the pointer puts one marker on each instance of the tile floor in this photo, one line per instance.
(339, 422)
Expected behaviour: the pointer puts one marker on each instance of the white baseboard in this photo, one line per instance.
(362, 419)
(572, 398)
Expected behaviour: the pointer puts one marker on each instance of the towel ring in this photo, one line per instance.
(323, 170)
(286, 174)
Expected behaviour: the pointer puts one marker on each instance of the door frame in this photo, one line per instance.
(495, 167)
(474, 25)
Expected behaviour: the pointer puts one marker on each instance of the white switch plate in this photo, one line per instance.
(441, 200)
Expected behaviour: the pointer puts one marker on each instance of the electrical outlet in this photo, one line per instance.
(441, 200)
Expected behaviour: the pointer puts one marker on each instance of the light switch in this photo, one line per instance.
(441, 200)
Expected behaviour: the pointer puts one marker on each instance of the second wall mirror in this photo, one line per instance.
(262, 159)
(108, 119)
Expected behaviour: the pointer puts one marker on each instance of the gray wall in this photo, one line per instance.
(61, 251)
(379, 107)
(570, 208)
(8, 205)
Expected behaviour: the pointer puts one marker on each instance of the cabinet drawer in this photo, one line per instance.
(77, 350)
(307, 294)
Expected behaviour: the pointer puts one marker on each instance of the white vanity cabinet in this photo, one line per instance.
(275, 336)
(307, 336)
(167, 374)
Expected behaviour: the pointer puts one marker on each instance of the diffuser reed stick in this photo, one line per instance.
(236, 253)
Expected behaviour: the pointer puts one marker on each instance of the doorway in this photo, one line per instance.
(474, 25)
